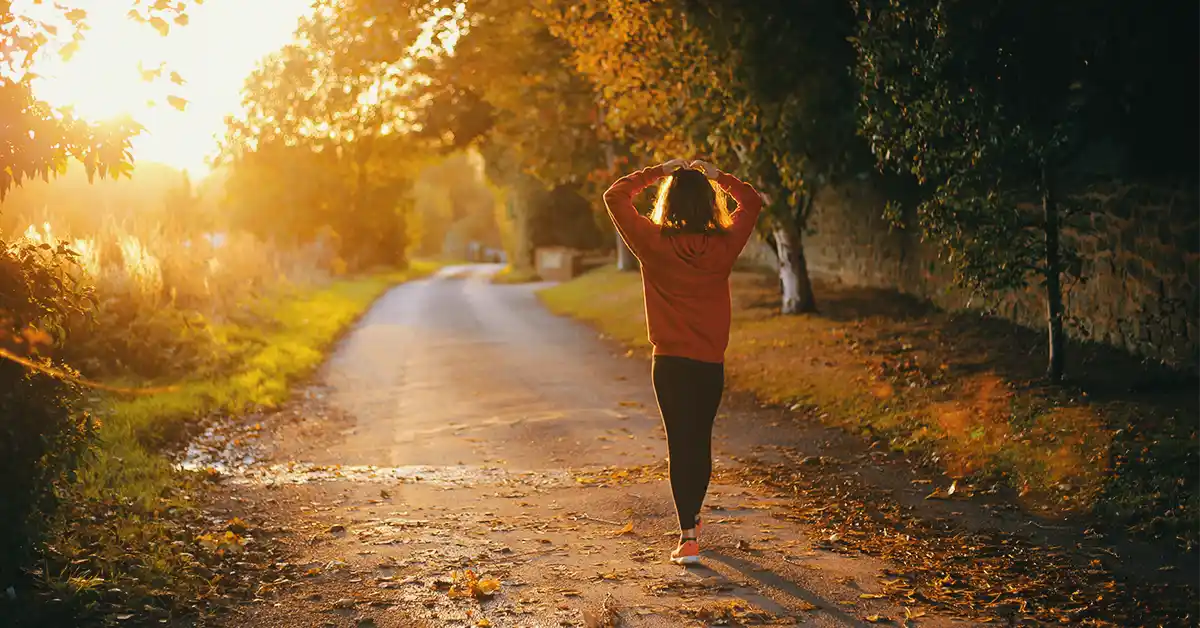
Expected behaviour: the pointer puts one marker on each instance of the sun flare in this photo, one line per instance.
(211, 55)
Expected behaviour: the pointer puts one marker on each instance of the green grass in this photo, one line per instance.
(131, 525)
(607, 298)
(952, 391)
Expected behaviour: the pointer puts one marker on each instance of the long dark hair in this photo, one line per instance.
(689, 203)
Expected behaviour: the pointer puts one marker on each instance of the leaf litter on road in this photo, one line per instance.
(468, 584)
(606, 617)
(986, 576)
(729, 613)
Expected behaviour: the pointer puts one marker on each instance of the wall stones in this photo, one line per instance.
(1140, 256)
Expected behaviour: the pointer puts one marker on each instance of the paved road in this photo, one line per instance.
(477, 431)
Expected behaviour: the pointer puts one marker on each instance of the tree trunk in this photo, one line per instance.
(399, 238)
(523, 253)
(625, 259)
(365, 246)
(1054, 301)
(793, 270)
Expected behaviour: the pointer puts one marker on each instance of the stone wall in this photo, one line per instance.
(1139, 250)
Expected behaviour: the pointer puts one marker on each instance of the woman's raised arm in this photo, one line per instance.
(749, 202)
(635, 228)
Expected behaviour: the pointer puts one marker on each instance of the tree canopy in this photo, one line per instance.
(992, 108)
(40, 140)
(701, 79)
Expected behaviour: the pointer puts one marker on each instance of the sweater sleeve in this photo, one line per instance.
(749, 205)
(634, 228)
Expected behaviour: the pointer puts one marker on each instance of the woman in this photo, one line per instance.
(687, 249)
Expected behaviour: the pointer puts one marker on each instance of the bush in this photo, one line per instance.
(43, 432)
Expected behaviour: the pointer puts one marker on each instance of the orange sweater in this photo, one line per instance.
(685, 277)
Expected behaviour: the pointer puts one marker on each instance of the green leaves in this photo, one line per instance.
(45, 138)
(932, 108)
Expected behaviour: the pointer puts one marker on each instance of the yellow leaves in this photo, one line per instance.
(150, 74)
(177, 102)
(160, 25)
(229, 543)
(938, 493)
(626, 530)
(878, 619)
(468, 584)
(177, 79)
(68, 50)
(76, 15)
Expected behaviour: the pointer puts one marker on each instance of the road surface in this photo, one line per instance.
(460, 426)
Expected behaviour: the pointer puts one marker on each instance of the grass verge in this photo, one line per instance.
(130, 544)
(511, 275)
(958, 391)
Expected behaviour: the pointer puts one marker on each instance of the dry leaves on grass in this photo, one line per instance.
(228, 543)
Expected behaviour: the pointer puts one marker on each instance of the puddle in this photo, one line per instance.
(225, 447)
(237, 453)
(236, 450)
(458, 475)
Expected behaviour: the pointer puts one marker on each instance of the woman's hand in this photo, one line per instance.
(673, 165)
(708, 169)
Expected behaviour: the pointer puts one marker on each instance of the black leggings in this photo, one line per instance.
(689, 393)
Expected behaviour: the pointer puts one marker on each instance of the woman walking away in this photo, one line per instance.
(687, 249)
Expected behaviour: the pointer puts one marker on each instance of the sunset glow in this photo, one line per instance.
(213, 54)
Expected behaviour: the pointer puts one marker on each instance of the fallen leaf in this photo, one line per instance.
(878, 619)
(469, 584)
(628, 529)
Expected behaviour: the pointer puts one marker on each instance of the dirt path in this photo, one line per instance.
(461, 427)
